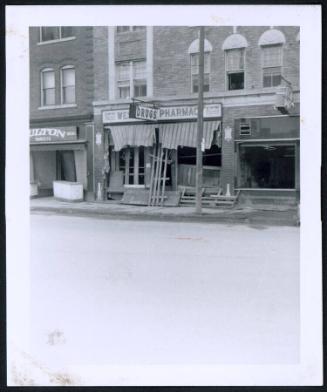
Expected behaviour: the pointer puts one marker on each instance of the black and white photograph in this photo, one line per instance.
(163, 195)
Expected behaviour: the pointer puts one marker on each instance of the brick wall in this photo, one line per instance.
(172, 74)
(130, 45)
(77, 52)
(100, 50)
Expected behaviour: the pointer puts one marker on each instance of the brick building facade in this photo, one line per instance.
(250, 73)
(61, 112)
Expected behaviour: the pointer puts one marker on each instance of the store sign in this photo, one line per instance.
(143, 112)
(53, 134)
(138, 112)
(186, 112)
(114, 116)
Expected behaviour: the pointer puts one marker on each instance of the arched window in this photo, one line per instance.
(68, 84)
(234, 48)
(193, 51)
(271, 42)
(48, 96)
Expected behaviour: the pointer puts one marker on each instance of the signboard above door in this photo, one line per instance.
(61, 134)
(142, 111)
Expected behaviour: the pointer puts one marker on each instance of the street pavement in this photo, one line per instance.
(147, 292)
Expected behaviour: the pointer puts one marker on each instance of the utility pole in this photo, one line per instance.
(199, 168)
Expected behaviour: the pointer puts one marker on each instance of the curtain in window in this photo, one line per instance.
(235, 59)
(195, 63)
(68, 85)
(48, 85)
(272, 56)
(139, 70)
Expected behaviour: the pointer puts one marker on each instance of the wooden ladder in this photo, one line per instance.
(158, 177)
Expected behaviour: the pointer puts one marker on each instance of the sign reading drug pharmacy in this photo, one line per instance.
(53, 134)
(145, 112)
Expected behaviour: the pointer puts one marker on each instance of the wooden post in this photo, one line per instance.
(136, 165)
(127, 157)
(200, 125)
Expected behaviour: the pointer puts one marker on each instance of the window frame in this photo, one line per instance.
(131, 82)
(42, 95)
(65, 67)
(194, 55)
(263, 68)
(60, 39)
(227, 72)
(130, 29)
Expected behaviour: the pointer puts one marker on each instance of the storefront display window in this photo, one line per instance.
(267, 166)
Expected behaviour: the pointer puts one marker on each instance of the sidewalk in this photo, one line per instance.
(264, 215)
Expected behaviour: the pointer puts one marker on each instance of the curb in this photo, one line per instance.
(234, 218)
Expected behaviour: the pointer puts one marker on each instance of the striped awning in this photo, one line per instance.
(132, 135)
(184, 134)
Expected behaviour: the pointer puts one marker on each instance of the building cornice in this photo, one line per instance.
(227, 98)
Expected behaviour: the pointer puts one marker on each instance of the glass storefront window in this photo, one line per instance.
(267, 166)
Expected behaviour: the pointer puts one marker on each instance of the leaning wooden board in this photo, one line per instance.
(140, 197)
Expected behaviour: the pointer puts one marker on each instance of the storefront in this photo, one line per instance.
(56, 154)
(268, 155)
(132, 145)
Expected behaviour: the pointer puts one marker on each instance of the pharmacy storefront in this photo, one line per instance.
(137, 134)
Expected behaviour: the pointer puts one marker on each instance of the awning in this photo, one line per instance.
(54, 146)
(132, 135)
(184, 134)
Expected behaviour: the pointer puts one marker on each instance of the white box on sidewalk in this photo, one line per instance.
(67, 190)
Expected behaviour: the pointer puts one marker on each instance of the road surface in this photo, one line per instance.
(140, 292)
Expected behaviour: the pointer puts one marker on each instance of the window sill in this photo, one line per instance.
(73, 105)
(54, 41)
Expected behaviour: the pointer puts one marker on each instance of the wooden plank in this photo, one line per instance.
(164, 177)
(136, 165)
(127, 158)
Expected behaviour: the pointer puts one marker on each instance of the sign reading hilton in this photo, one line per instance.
(53, 134)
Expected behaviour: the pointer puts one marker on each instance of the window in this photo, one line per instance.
(123, 82)
(51, 33)
(272, 65)
(139, 78)
(235, 69)
(267, 166)
(131, 79)
(123, 29)
(47, 87)
(68, 85)
(131, 162)
(195, 72)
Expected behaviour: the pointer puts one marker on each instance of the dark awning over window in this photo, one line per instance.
(184, 134)
(132, 135)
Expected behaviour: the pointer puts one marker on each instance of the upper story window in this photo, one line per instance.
(195, 72)
(68, 85)
(193, 51)
(234, 47)
(54, 33)
(234, 61)
(123, 29)
(272, 65)
(48, 87)
(131, 79)
(139, 78)
(271, 42)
